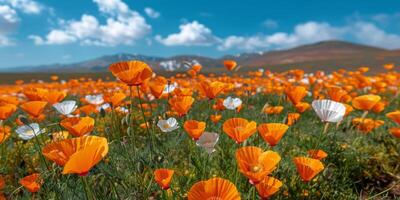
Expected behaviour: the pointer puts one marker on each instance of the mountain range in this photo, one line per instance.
(326, 55)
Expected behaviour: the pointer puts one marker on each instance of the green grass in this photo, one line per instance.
(358, 165)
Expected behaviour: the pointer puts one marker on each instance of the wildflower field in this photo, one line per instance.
(259, 135)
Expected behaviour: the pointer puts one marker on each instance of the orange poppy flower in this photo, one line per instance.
(31, 182)
(181, 104)
(163, 177)
(395, 132)
(4, 133)
(183, 92)
(215, 118)
(78, 126)
(308, 168)
(194, 128)
(88, 109)
(295, 93)
(317, 154)
(292, 118)
(388, 66)
(219, 104)
(230, 64)
(157, 86)
(6, 111)
(379, 107)
(365, 102)
(273, 110)
(239, 129)
(53, 97)
(272, 132)
(268, 187)
(336, 93)
(211, 89)
(366, 124)
(117, 99)
(302, 107)
(256, 164)
(394, 116)
(77, 155)
(191, 72)
(34, 108)
(132, 73)
(215, 188)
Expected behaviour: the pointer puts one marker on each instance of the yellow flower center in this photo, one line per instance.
(256, 168)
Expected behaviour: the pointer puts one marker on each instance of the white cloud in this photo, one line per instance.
(8, 15)
(123, 26)
(369, 33)
(270, 23)
(27, 6)
(191, 34)
(303, 33)
(151, 13)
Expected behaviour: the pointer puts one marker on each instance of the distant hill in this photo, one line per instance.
(327, 55)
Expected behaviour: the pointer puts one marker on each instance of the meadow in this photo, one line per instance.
(253, 135)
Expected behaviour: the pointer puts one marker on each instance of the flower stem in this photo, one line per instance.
(145, 121)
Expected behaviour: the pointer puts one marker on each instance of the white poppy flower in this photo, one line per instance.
(66, 107)
(94, 99)
(328, 110)
(170, 88)
(27, 132)
(208, 141)
(168, 125)
(232, 103)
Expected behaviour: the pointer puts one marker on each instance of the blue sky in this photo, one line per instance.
(36, 32)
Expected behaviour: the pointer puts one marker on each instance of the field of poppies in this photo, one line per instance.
(259, 135)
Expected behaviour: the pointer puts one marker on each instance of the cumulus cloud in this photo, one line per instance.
(369, 33)
(151, 13)
(123, 26)
(27, 6)
(191, 34)
(303, 33)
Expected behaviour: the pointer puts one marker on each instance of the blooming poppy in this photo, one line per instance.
(379, 107)
(328, 110)
(77, 155)
(366, 124)
(117, 99)
(230, 64)
(273, 109)
(78, 126)
(96, 99)
(66, 107)
(336, 93)
(395, 132)
(194, 128)
(29, 131)
(88, 109)
(295, 93)
(163, 177)
(302, 107)
(232, 103)
(6, 110)
(168, 125)
(34, 108)
(32, 182)
(215, 118)
(157, 86)
(239, 129)
(197, 67)
(215, 188)
(268, 187)
(219, 104)
(211, 89)
(4, 133)
(308, 168)
(208, 141)
(181, 104)
(53, 97)
(292, 118)
(317, 154)
(365, 102)
(394, 116)
(272, 132)
(256, 164)
(132, 73)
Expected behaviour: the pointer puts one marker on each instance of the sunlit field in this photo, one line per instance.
(236, 135)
